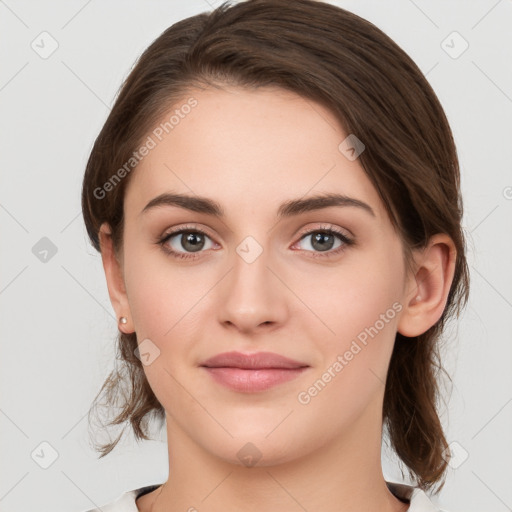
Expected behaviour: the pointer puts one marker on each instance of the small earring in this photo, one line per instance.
(418, 298)
(123, 320)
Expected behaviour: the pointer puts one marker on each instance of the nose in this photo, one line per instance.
(252, 297)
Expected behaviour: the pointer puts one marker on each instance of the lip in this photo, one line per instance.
(251, 373)
(256, 361)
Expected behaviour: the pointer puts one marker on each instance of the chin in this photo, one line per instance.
(253, 450)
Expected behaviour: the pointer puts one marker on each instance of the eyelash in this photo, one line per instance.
(329, 230)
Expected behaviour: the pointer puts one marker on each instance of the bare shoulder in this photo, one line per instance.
(145, 502)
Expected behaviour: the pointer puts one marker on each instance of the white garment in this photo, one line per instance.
(418, 500)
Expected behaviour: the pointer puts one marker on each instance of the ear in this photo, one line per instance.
(115, 280)
(427, 289)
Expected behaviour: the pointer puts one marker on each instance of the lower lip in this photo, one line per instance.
(251, 381)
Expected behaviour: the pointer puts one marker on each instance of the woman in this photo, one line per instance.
(276, 199)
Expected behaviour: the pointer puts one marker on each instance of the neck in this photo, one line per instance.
(344, 475)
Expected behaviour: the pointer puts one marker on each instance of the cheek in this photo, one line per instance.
(353, 297)
(164, 306)
(354, 360)
(359, 305)
(161, 294)
(167, 305)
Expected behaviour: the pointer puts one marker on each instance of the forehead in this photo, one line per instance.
(247, 149)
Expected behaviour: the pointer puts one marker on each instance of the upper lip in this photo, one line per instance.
(256, 361)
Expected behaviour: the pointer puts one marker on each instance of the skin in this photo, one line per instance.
(250, 150)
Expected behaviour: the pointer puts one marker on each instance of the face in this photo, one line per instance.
(323, 287)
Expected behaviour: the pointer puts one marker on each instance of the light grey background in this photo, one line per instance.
(57, 324)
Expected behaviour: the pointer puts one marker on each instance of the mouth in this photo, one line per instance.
(251, 373)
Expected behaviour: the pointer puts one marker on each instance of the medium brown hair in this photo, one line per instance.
(332, 56)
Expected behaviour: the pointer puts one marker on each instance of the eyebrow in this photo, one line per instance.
(287, 209)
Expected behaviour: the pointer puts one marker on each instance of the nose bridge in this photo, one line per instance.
(250, 260)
